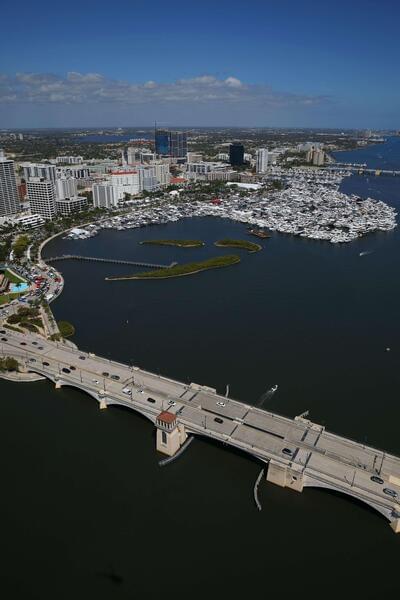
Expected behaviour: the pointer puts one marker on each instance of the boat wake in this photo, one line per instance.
(267, 396)
(365, 253)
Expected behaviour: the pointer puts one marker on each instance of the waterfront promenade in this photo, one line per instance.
(298, 453)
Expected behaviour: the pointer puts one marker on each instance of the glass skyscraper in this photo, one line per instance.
(162, 141)
(178, 144)
(171, 143)
(236, 154)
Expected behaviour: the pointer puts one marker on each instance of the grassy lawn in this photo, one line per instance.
(244, 244)
(179, 243)
(13, 278)
(185, 269)
(5, 298)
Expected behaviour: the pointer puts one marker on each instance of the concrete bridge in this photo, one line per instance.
(115, 261)
(362, 169)
(297, 452)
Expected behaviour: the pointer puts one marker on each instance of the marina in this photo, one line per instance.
(310, 205)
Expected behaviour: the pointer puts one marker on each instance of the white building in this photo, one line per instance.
(194, 157)
(29, 221)
(75, 171)
(261, 160)
(42, 197)
(66, 206)
(199, 170)
(127, 181)
(66, 187)
(105, 195)
(307, 146)
(43, 171)
(318, 158)
(162, 173)
(69, 160)
(9, 201)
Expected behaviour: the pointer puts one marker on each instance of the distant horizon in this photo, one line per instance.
(189, 127)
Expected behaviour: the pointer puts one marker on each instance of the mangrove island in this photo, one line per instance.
(244, 244)
(181, 270)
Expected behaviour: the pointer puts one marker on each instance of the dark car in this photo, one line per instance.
(287, 451)
(46, 364)
(151, 400)
(115, 377)
(65, 370)
(377, 479)
(105, 374)
(4, 339)
(82, 357)
(390, 492)
(72, 368)
(218, 420)
(23, 343)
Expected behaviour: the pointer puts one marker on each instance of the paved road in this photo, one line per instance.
(320, 458)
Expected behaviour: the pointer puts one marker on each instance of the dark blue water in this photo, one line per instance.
(384, 156)
(111, 139)
(82, 495)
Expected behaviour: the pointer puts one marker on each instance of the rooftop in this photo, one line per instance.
(166, 417)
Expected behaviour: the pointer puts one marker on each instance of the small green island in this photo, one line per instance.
(244, 244)
(177, 243)
(182, 270)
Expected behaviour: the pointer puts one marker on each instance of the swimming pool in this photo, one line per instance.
(18, 288)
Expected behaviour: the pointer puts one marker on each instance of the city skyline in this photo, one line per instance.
(280, 66)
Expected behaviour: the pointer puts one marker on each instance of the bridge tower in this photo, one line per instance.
(170, 434)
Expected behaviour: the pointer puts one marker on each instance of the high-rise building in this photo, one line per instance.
(178, 144)
(127, 180)
(43, 171)
(171, 143)
(318, 158)
(105, 195)
(236, 154)
(261, 160)
(162, 141)
(66, 187)
(42, 197)
(67, 206)
(9, 201)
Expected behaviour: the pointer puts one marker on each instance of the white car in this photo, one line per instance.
(171, 403)
(127, 391)
(221, 404)
(95, 381)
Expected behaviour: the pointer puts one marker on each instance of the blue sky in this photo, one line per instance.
(263, 63)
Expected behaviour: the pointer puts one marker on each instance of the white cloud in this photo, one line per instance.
(89, 88)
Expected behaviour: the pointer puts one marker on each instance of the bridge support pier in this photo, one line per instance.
(170, 434)
(103, 404)
(395, 525)
(285, 476)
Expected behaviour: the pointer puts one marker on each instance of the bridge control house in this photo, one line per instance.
(170, 435)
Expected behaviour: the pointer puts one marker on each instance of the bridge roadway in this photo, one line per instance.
(318, 458)
(116, 261)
